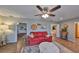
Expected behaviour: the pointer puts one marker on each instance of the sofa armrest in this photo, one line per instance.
(49, 39)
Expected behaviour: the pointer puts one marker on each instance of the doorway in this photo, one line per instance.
(21, 29)
(55, 32)
(21, 34)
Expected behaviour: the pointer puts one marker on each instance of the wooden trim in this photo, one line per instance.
(75, 30)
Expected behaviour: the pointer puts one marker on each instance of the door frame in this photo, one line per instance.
(57, 29)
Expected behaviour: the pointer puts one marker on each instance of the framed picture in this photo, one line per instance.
(34, 26)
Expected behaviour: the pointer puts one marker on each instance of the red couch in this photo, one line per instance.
(38, 38)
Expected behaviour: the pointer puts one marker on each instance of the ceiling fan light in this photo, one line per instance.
(45, 16)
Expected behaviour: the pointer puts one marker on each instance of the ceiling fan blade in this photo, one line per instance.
(51, 14)
(38, 15)
(39, 8)
(55, 8)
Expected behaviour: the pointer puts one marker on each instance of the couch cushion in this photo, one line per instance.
(40, 33)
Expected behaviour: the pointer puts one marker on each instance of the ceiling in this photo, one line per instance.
(28, 11)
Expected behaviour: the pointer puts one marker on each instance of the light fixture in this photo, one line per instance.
(45, 16)
(4, 26)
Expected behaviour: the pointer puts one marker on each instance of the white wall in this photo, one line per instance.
(71, 28)
(58, 30)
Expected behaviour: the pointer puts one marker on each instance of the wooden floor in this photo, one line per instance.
(9, 48)
(70, 45)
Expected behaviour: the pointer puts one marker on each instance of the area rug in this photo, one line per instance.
(31, 49)
(44, 47)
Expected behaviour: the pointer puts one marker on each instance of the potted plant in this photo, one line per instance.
(64, 31)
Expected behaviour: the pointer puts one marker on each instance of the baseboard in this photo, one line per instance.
(12, 43)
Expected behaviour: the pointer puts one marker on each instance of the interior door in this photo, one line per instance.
(77, 30)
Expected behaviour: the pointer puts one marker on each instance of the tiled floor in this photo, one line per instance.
(9, 48)
(70, 45)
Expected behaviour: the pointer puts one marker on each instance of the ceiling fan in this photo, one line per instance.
(46, 12)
